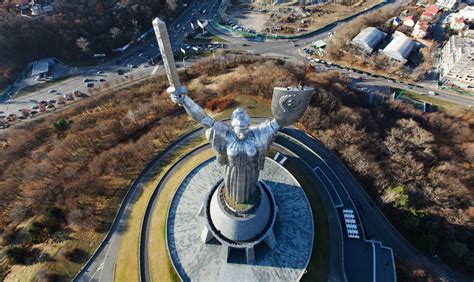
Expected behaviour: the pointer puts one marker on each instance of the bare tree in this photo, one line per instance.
(83, 44)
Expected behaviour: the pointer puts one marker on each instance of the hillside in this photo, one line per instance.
(63, 177)
(75, 31)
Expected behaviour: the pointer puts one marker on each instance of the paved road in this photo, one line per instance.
(138, 56)
(293, 50)
(101, 266)
(357, 254)
(273, 48)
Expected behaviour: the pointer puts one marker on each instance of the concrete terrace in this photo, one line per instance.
(293, 230)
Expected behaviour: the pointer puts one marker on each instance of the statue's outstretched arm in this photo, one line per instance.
(195, 111)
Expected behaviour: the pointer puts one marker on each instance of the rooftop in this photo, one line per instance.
(432, 9)
(368, 38)
(399, 48)
(427, 14)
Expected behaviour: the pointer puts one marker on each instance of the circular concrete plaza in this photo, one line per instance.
(194, 260)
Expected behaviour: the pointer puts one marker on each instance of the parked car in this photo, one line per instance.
(90, 85)
(120, 72)
(61, 101)
(3, 124)
(12, 117)
(102, 80)
(80, 94)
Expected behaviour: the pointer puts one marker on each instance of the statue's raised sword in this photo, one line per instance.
(176, 90)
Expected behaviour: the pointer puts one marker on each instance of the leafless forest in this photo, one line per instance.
(66, 174)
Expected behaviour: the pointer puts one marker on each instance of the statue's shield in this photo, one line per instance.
(290, 103)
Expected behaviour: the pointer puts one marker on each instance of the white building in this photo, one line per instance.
(409, 21)
(457, 23)
(457, 61)
(368, 39)
(446, 4)
(467, 13)
(400, 48)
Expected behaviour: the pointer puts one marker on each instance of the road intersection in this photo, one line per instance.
(139, 57)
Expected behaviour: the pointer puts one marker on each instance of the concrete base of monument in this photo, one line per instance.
(236, 230)
(279, 251)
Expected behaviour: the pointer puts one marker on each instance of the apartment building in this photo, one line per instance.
(457, 61)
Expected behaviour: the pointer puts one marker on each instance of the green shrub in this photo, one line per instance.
(61, 125)
(18, 255)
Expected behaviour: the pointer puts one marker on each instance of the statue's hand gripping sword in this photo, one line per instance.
(176, 90)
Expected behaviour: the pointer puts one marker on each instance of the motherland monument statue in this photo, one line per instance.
(239, 210)
(239, 147)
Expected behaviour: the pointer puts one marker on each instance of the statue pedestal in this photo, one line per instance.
(279, 255)
(239, 230)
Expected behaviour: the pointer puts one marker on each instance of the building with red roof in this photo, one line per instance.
(420, 30)
(432, 9)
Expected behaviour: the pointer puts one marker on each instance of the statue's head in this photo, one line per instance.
(240, 122)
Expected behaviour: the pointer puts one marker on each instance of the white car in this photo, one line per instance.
(432, 93)
(51, 90)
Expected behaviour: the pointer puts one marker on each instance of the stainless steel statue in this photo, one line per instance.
(240, 148)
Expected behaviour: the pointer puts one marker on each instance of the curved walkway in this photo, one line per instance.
(100, 267)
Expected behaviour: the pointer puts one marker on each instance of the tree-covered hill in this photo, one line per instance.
(76, 30)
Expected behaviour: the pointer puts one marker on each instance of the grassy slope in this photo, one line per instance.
(318, 267)
(127, 268)
(163, 270)
(443, 105)
(254, 107)
(88, 242)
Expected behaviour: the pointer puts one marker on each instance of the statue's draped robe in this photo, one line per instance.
(242, 159)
